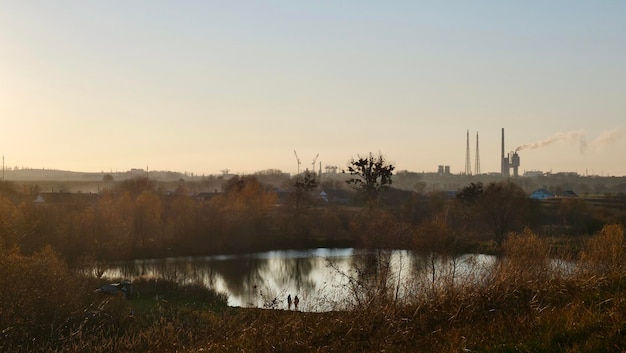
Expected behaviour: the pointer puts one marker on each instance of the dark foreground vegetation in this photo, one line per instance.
(523, 303)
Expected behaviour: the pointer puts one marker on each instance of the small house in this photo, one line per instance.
(541, 194)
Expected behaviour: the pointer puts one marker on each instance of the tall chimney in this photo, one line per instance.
(502, 166)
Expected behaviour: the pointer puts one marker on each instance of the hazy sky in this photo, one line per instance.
(202, 86)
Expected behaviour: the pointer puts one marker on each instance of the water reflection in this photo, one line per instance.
(323, 279)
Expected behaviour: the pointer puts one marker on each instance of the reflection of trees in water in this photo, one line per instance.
(253, 279)
(201, 273)
(431, 273)
(242, 276)
(295, 273)
(349, 278)
(388, 275)
(177, 270)
(367, 275)
(373, 268)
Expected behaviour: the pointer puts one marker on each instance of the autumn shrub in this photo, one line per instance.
(604, 254)
(38, 294)
(375, 228)
(9, 222)
(44, 306)
(526, 258)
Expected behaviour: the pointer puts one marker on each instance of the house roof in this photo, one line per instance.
(541, 194)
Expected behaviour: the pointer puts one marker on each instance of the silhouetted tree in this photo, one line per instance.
(370, 175)
(493, 210)
(471, 193)
(303, 185)
(504, 207)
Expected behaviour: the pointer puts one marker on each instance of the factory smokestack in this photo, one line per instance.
(477, 167)
(503, 168)
(508, 161)
(468, 166)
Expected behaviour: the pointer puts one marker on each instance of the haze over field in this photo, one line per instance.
(204, 86)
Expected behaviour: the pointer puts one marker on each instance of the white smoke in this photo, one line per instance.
(607, 138)
(577, 136)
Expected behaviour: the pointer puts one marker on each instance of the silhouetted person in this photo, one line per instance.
(295, 302)
(289, 302)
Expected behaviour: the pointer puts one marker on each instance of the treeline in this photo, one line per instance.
(138, 218)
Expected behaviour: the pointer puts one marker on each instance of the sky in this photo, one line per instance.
(204, 86)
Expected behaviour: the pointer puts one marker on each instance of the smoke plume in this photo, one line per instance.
(577, 136)
(607, 137)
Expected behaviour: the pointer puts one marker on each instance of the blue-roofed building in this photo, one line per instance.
(541, 194)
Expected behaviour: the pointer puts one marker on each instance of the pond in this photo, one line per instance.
(323, 279)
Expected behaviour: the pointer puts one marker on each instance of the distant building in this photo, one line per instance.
(67, 198)
(541, 194)
(443, 170)
(567, 193)
(205, 196)
(533, 173)
(336, 197)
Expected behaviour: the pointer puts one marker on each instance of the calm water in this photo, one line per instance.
(323, 279)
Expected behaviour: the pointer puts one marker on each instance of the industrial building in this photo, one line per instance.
(511, 161)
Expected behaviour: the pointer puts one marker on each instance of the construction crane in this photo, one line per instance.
(297, 159)
(314, 160)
